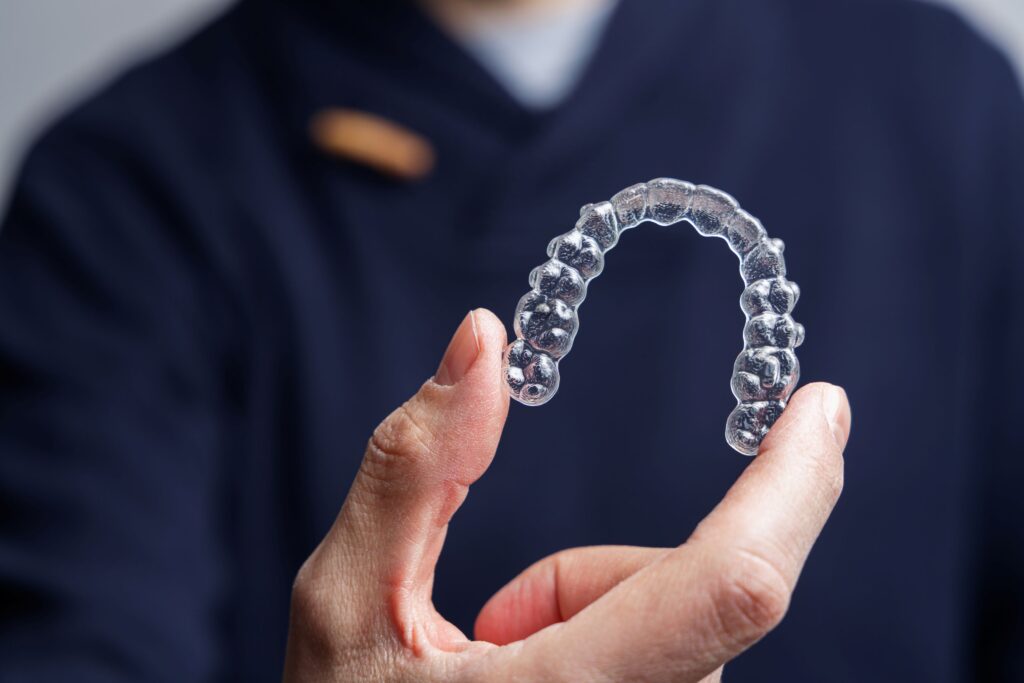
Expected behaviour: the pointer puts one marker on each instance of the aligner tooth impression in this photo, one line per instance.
(765, 372)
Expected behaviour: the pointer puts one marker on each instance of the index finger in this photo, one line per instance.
(705, 602)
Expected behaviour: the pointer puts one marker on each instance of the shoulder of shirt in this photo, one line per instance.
(923, 34)
(171, 99)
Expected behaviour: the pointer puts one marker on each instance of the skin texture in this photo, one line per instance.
(361, 605)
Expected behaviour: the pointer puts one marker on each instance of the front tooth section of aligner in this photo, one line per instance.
(765, 260)
(771, 329)
(749, 423)
(711, 210)
(766, 371)
(531, 376)
(744, 232)
(764, 374)
(547, 323)
(559, 280)
(580, 251)
(771, 295)
(630, 206)
(598, 222)
(668, 200)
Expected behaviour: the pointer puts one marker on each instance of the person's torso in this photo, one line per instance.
(349, 284)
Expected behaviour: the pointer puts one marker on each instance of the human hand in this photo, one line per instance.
(361, 605)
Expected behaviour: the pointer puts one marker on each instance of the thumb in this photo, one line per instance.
(416, 471)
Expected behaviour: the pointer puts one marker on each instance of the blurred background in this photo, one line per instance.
(50, 52)
(204, 309)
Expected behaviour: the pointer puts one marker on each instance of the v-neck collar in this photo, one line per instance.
(398, 40)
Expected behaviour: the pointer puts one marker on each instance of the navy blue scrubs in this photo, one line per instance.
(202, 316)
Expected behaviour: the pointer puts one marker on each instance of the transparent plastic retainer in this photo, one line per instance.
(766, 370)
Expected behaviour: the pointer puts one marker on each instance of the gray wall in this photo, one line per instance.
(51, 51)
(54, 51)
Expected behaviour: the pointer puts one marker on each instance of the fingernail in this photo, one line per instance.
(832, 404)
(462, 351)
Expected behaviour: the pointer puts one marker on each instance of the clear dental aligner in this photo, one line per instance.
(766, 371)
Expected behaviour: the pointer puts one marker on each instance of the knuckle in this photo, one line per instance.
(329, 625)
(752, 598)
(399, 444)
(311, 613)
(305, 579)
